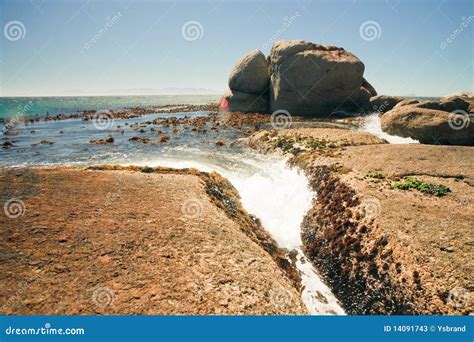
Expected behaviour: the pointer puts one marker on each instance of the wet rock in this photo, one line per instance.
(107, 141)
(7, 144)
(140, 140)
(10, 133)
(43, 142)
(164, 138)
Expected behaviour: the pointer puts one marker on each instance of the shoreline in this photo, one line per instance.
(355, 254)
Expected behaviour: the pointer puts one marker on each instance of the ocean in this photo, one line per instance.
(30, 106)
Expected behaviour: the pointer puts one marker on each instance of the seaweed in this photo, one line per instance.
(375, 174)
(408, 183)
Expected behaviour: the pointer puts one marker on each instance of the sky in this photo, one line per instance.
(55, 48)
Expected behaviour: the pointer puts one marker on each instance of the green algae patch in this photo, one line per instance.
(375, 174)
(408, 183)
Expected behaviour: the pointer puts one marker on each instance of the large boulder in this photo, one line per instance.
(313, 80)
(236, 101)
(429, 126)
(383, 103)
(251, 74)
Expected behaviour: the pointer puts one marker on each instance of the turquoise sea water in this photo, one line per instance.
(29, 106)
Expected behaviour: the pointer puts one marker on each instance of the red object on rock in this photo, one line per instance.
(224, 104)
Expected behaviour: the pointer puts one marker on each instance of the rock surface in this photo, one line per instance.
(107, 242)
(383, 103)
(385, 250)
(429, 126)
(406, 102)
(303, 78)
(313, 80)
(237, 101)
(447, 105)
(251, 74)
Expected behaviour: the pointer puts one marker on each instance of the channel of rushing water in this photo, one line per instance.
(278, 195)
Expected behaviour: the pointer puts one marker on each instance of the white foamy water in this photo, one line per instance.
(373, 125)
(279, 196)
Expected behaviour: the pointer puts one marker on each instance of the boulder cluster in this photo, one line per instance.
(301, 78)
(307, 79)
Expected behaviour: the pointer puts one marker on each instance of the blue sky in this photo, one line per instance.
(143, 45)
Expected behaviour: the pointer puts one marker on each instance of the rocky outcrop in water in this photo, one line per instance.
(303, 79)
